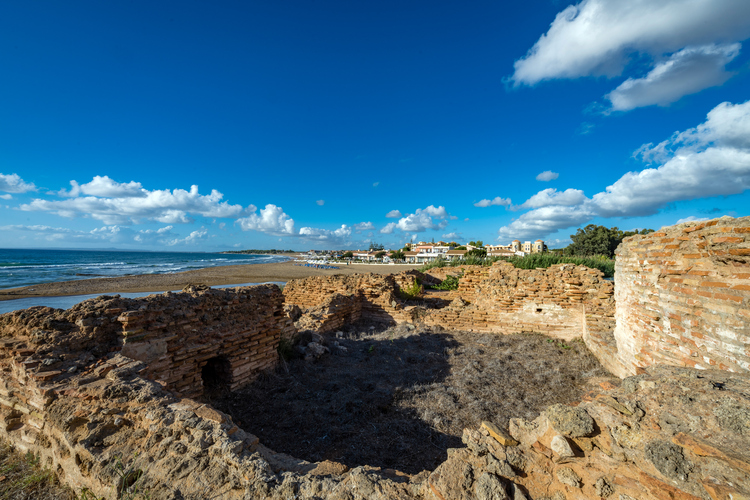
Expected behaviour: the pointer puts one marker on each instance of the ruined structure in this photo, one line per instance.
(116, 377)
(683, 298)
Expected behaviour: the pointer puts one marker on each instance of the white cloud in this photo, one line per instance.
(160, 205)
(552, 196)
(598, 37)
(272, 220)
(321, 202)
(393, 214)
(339, 235)
(364, 226)
(497, 201)
(375, 184)
(104, 187)
(685, 72)
(451, 236)
(420, 220)
(12, 183)
(712, 159)
(692, 218)
(389, 228)
(6, 196)
(547, 175)
(540, 222)
(191, 238)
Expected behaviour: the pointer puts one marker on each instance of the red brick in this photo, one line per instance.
(739, 251)
(742, 229)
(671, 247)
(741, 287)
(715, 284)
(728, 239)
(692, 256)
(699, 273)
(724, 296)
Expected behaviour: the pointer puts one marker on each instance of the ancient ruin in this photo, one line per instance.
(115, 378)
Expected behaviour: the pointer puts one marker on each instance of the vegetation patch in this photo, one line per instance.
(531, 261)
(22, 477)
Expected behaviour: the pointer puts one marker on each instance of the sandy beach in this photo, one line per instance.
(223, 275)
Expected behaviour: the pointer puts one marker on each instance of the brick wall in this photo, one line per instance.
(373, 297)
(234, 331)
(683, 297)
(561, 301)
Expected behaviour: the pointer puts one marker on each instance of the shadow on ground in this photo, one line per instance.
(399, 397)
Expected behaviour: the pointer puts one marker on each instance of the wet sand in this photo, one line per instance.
(222, 275)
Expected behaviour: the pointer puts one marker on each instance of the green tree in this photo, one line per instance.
(348, 255)
(598, 240)
(376, 246)
(478, 243)
(398, 255)
(477, 252)
(379, 255)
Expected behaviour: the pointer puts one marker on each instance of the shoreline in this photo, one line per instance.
(211, 276)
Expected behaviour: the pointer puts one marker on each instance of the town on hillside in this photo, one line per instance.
(425, 252)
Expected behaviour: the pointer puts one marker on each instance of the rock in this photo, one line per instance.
(561, 446)
(489, 487)
(570, 422)
(668, 459)
(314, 351)
(603, 488)
(568, 476)
(500, 436)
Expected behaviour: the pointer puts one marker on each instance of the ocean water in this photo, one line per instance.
(31, 267)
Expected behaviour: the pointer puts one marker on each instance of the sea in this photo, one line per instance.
(30, 267)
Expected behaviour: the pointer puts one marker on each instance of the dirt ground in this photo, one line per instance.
(399, 397)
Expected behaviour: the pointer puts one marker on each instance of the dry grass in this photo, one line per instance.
(398, 398)
(23, 478)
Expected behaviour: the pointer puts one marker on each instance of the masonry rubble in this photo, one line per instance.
(115, 377)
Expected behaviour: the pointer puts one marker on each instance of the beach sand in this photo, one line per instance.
(213, 276)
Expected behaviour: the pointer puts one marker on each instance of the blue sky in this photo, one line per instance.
(210, 126)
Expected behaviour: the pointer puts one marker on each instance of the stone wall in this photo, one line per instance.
(683, 298)
(372, 297)
(229, 335)
(561, 301)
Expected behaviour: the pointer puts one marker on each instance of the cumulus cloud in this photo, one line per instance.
(321, 202)
(135, 205)
(497, 201)
(191, 238)
(552, 196)
(339, 235)
(598, 37)
(451, 236)
(547, 175)
(6, 196)
(712, 159)
(389, 228)
(12, 183)
(272, 220)
(105, 187)
(364, 226)
(421, 220)
(393, 214)
(685, 72)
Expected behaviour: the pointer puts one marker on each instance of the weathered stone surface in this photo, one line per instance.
(570, 422)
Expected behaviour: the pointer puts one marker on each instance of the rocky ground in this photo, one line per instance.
(399, 397)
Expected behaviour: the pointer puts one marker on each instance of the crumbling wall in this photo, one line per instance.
(561, 301)
(373, 297)
(683, 298)
(175, 335)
